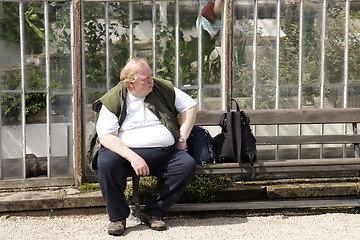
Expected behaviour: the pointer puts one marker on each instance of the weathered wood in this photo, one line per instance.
(257, 205)
(272, 166)
(287, 162)
(288, 167)
(307, 139)
(287, 116)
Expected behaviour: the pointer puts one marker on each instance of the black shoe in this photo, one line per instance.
(154, 222)
(116, 228)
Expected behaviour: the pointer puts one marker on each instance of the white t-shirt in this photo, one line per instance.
(141, 128)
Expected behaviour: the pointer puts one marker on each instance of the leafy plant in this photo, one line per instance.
(33, 25)
(11, 102)
(89, 187)
(189, 65)
(201, 189)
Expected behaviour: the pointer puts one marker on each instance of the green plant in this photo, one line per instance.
(11, 102)
(89, 187)
(95, 40)
(33, 25)
(188, 57)
(201, 189)
(204, 187)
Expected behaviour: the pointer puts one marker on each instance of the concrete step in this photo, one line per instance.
(266, 190)
(249, 195)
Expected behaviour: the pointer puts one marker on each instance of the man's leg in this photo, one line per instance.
(174, 171)
(113, 171)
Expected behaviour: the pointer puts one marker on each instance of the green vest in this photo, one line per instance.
(161, 101)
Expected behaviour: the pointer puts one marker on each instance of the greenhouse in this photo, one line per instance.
(58, 57)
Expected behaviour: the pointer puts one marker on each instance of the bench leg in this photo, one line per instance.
(136, 200)
(356, 145)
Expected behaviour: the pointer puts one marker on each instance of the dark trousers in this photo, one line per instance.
(174, 169)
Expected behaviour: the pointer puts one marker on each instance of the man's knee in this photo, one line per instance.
(189, 164)
(109, 161)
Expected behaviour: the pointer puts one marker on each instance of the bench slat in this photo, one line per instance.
(297, 165)
(280, 169)
(272, 204)
(307, 139)
(286, 116)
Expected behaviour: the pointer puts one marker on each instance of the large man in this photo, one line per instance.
(143, 125)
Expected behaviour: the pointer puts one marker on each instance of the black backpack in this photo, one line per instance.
(235, 143)
(199, 145)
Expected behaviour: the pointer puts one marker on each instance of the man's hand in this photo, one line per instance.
(181, 146)
(140, 166)
(113, 143)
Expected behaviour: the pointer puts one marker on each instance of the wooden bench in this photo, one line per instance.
(307, 161)
(290, 151)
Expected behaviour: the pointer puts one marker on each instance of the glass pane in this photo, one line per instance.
(10, 78)
(36, 148)
(143, 29)
(61, 135)
(334, 60)
(335, 42)
(10, 75)
(119, 39)
(211, 60)
(243, 51)
(287, 152)
(312, 16)
(11, 148)
(165, 37)
(35, 135)
(188, 42)
(60, 55)
(334, 96)
(310, 95)
(289, 55)
(213, 102)
(354, 56)
(94, 37)
(34, 39)
(266, 54)
(354, 95)
(11, 162)
(11, 109)
(288, 96)
(35, 103)
(310, 151)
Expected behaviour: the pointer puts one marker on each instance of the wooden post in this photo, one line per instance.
(79, 171)
(228, 49)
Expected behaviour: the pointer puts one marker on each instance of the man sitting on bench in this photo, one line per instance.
(138, 126)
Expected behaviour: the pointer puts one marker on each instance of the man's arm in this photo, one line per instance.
(187, 121)
(112, 142)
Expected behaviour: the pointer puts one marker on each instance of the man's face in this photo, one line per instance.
(144, 82)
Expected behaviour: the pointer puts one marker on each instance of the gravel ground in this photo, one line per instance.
(331, 226)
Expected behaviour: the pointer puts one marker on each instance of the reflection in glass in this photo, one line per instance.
(61, 136)
(60, 42)
(11, 148)
(188, 44)
(354, 57)
(165, 38)
(289, 55)
(266, 55)
(312, 25)
(243, 52)
(119, 39)
(94, 37)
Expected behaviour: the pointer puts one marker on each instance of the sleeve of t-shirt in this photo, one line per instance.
(183, 101)
(107, 122)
